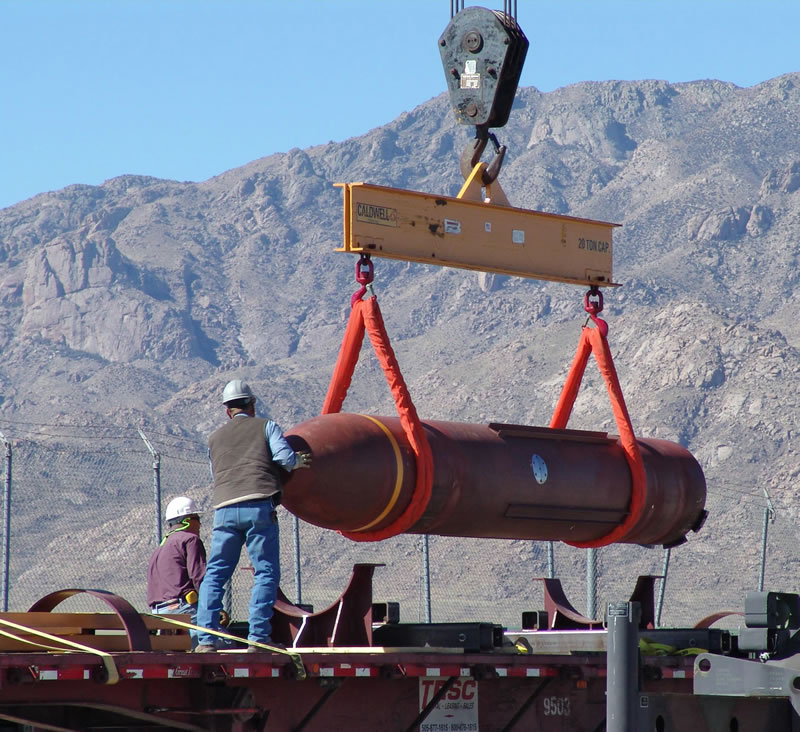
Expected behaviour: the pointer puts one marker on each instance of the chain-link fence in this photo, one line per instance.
(84, 511)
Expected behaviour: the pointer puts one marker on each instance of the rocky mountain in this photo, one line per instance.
(131, 303)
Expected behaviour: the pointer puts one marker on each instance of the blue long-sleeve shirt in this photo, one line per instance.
(281, 450)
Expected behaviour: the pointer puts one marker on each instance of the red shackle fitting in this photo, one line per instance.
(365, 270)
(365, 273)
(595, 306)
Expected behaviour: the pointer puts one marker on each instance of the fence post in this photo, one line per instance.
(664, 570)
(297, 583)
(769, 517)
(591, 583)
(426, 576)
(6, 518)
(227, 597)
(156, 483)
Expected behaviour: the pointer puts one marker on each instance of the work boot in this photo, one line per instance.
(267, 642)
(205, 648)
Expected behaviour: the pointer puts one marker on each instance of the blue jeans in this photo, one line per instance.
(251, 523)
(184, 608)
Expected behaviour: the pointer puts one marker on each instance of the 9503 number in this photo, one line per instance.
(556, 706)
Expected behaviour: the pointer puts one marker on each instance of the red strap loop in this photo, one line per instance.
(594, 341)
(366, 315)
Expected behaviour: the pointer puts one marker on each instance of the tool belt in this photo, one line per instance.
(190, 598)
(167, 604)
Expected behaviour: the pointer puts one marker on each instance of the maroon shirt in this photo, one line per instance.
(176, 567)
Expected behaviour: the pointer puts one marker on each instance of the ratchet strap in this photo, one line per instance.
(112, 675)
(296, 659)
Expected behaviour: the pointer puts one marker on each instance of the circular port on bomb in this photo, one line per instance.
(539, 468)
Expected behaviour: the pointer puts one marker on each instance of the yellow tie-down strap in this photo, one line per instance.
(111, 668)
(296, 659)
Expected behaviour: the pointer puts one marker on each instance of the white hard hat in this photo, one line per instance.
(180, 506)
(237, 389)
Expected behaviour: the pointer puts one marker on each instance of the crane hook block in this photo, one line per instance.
(483, 52)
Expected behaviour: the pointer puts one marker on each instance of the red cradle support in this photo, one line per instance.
(644, 594)
(135, 629)
(561, 615)
(366, 316)
(347, 622)
(594, 341)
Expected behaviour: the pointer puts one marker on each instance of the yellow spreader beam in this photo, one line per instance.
(472, 233)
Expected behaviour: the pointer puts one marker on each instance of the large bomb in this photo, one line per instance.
(493, 481)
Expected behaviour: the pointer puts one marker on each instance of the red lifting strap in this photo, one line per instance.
(367, 315)
(593, 341)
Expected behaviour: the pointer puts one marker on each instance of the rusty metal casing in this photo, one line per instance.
(491, 481)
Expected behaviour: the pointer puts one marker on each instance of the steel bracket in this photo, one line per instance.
(727, 676)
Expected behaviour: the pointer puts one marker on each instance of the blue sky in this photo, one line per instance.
(186, 89)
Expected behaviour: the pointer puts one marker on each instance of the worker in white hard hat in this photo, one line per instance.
(247, 455)
(178, 565)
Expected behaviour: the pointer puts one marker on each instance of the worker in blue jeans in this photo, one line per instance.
(245, 457)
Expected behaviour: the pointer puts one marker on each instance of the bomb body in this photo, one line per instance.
(491, 481)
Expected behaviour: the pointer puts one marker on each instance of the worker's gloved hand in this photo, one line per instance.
(224, 619)
(303, 460)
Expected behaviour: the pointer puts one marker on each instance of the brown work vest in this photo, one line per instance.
(241, 462)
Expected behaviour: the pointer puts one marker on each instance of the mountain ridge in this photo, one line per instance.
(134, 301)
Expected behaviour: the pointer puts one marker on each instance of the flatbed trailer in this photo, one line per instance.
(354, 689)
(426, 689)
(354, 666)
